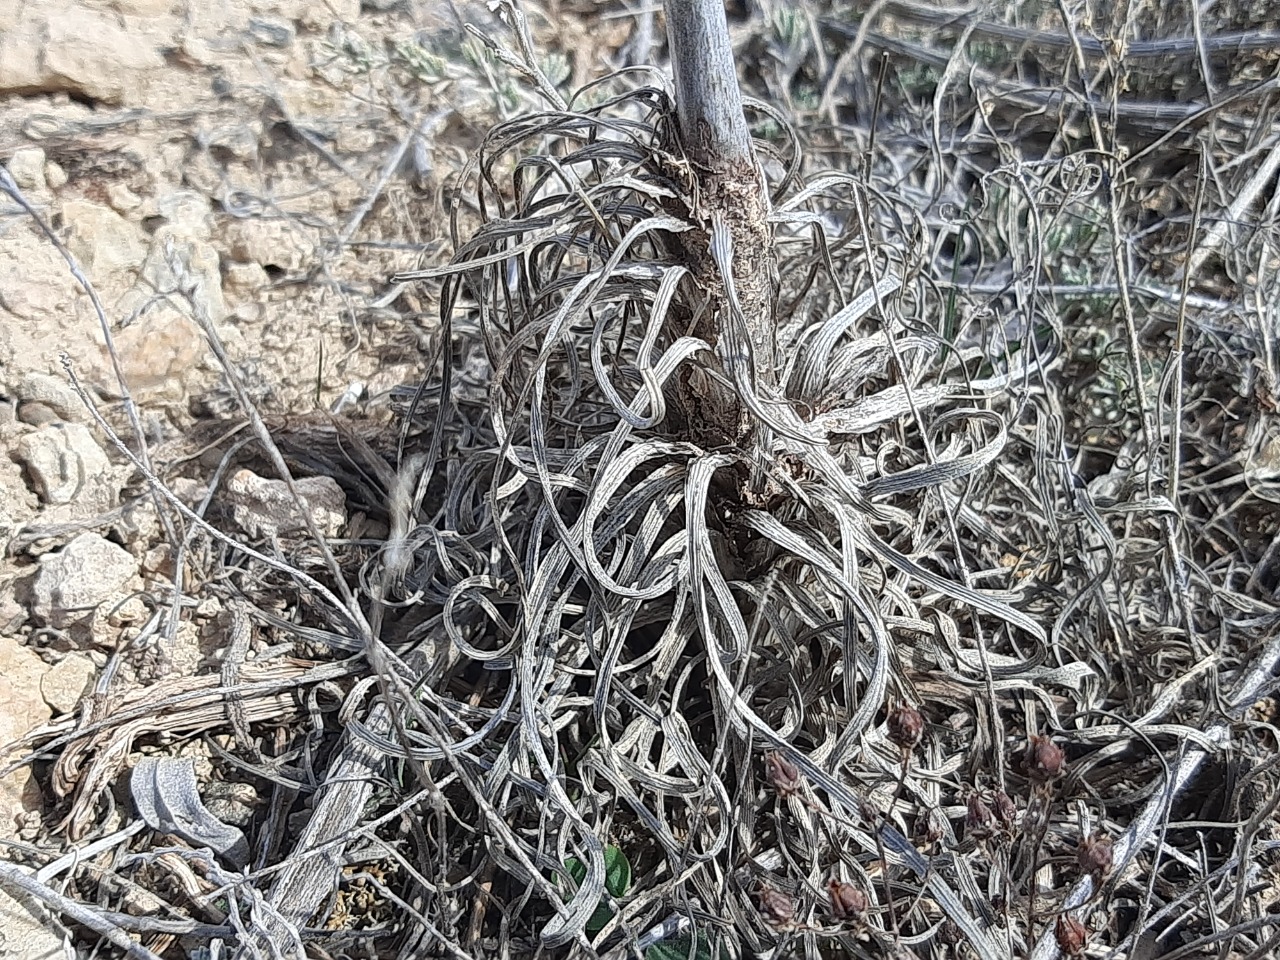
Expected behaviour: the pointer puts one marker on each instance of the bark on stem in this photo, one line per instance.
(714, 131)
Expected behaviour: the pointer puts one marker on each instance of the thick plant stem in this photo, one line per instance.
(714, 132)
(707, 97)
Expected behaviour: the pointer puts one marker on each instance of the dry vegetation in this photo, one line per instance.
(957, 639)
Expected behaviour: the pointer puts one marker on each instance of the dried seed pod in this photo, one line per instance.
(906, 726)
(1006, 811)
(847, 901)
(1045, 760)
(1095, 855)
(950, 933)
(779, 909)
(930, 827)
(783, 775)
(1071, 935)
(979, 820)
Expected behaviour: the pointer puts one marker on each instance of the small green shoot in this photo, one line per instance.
(617, 881)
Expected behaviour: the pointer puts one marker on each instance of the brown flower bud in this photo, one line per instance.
(1071, 935)
(906, 726)
(779, 909)
(847, 901)
(783, 775)
(979, 820)
(930, 827)
(1095, 855)
(950, 933)
(1006, 811)
(1045, 759)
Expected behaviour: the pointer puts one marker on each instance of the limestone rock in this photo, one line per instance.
(90, 53)
(104, 243)
(65, 464)
(26, 935)
(66, 682)
(271, 243)
(54, 392)
(20, 673)
(187, 214)
(178, 263)
(26, 166)
(72, 583)
(263, 508)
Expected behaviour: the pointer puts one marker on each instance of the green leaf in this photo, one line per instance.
(617, 871)
(617, 881)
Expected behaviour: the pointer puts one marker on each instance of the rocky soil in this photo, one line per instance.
(260, 166)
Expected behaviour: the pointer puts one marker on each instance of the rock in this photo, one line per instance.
(21, 41)
(122, 199)
(35, 283)
(26, 935)
(20, 673)
(89, 53)
(12, 613)
(66, 682)
(37, 414)
(17, 503)
(271, 243)
(66, 464)
(271, 32)
(75, 581)
(26, 166)
(263, 508)
(187, 213)
(181, 265)
(161, 354)
(54, 176)
(246, 278)
(55, 393)
(104, 243)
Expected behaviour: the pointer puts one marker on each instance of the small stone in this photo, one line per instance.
(26, 166)
(75, 581)
(103, 242)
(180, 264)
(54, 176)
(264, 508)
(65, 464)
(187, 214)
(66, 682)
(37, 414)
(271, 243)
(271, 32)
(122, 199)
(245, 278)
(53, 392)
(20, 672)
(158, 560)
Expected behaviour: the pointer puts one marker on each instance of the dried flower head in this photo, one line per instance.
(979, 821)
(783, 775)
(950, 933)
(1045, 760)
(906, 726)
(847, 901)
(778, 908)
(1095, 855)
(1071, 935)
(1006, 811)
(930, 827)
